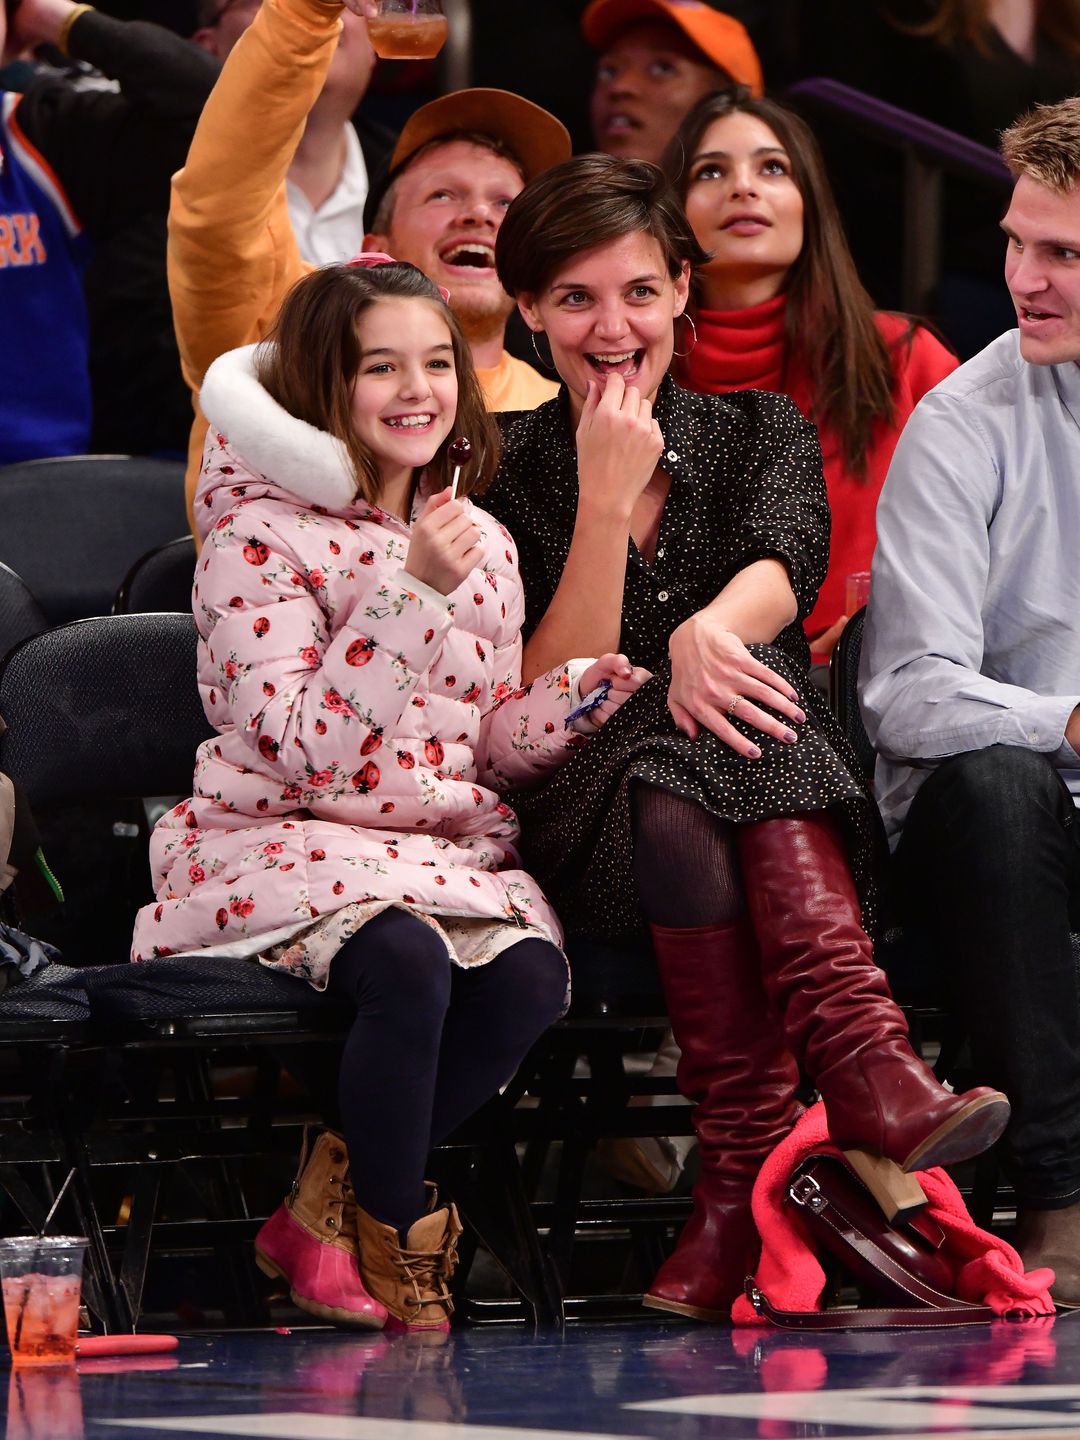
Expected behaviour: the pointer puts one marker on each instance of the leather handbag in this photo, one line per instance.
(900, 1268)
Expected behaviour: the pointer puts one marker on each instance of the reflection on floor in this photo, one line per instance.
(651, 1379)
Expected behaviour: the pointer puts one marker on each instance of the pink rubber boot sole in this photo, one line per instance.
(323, 1278)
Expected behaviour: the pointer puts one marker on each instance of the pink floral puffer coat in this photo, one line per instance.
(366, 723)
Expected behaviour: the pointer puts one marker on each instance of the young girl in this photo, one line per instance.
(360, 660)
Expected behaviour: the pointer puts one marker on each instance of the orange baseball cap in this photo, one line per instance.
(721, 38)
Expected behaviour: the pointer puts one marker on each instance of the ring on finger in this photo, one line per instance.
(734, 702)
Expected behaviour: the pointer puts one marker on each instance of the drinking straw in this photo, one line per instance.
(35, 1259)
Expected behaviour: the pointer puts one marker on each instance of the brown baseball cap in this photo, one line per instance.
(532, 135)
(720, 37)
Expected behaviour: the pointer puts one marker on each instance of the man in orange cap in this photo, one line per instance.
(657, 59)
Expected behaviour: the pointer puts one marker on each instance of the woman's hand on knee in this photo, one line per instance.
(714, 677)
(624, 679)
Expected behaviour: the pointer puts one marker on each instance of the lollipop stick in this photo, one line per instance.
(459, 454)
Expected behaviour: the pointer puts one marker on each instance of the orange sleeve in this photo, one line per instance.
(232, 251)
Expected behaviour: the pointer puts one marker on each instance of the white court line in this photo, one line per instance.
(888, 1411)
(313, 1425)
(874, 1413)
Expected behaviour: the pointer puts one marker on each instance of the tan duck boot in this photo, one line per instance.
(310, 1240)
(1052, 1237)
(411, 1280)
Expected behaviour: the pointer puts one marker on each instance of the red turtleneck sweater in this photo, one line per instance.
(744, 349)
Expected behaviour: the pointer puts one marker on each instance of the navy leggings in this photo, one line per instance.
(430, 1043)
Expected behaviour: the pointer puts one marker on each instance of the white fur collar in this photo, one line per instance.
(306, 461)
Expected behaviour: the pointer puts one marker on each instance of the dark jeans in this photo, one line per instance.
(430, 1043)
(989, 868)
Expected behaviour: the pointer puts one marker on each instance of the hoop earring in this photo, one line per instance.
(682, 354)
(547, 364)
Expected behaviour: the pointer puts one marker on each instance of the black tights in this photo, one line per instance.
(686, 868)
(430, 1043)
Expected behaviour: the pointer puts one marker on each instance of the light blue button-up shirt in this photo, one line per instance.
(973, 631)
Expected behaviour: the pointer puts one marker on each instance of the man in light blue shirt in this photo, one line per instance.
(970, 687)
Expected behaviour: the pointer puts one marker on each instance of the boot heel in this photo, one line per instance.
(268, 1267)
(898, 1193)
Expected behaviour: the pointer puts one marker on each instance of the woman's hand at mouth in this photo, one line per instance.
(618, 446)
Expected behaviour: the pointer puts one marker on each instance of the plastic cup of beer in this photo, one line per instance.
(41, 1278)
(406, 29)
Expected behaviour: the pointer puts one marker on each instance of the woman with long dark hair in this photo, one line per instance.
(719, 809)
(779, 305)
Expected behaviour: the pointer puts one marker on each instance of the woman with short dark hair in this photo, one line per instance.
(720, 804)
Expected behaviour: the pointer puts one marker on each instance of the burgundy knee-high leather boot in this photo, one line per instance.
(736, 1068)
(839, 1016)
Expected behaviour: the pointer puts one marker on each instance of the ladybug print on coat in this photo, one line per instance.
(341, 730)
(366, 778)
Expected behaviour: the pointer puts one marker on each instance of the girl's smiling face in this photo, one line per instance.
(746, 210)
(405, 394)
(611, 310)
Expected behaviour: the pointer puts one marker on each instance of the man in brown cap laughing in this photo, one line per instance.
(459, 162)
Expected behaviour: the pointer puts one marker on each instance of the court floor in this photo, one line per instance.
(1008, 1380)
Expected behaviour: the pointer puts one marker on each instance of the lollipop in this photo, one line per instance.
(460, 453)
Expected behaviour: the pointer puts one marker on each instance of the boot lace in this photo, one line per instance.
(342, 1197)
(428, 1271)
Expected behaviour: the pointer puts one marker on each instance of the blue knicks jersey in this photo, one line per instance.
(44, 380)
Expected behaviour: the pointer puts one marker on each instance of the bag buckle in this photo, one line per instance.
(753, 1295)
(806, 1191)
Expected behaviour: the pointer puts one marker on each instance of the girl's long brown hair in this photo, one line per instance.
(829, 318)
(310, 367)
(955, 22)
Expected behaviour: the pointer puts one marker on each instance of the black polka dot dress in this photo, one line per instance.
(746, 485)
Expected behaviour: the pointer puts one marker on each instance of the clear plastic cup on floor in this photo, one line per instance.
(41, 1278)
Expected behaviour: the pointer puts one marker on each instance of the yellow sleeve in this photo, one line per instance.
(232, 252)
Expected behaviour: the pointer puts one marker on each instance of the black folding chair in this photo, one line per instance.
(105, 711)
(20, 614)
(159, 580)
(74, 526)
